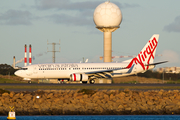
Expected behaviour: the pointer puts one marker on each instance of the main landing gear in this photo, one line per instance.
(92, 81)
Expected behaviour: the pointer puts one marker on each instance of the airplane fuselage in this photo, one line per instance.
(64, 70)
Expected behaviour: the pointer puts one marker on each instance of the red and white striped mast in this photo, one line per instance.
(25, 55)
(30, 60)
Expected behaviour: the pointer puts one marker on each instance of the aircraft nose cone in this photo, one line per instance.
(17, 73)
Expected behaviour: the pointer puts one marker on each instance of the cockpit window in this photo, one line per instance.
(24, 68)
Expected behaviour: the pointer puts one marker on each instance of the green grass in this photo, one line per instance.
(130, 82)
(4, 80)
(173, 81)
(90, 87)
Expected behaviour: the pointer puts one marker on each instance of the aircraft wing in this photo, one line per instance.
(102, 71)
(107, 73)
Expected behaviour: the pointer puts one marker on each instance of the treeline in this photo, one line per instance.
(166, 76)
(6, 69)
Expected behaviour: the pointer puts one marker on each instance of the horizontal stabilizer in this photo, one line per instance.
(157, 63)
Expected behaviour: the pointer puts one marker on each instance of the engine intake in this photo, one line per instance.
(78, 77)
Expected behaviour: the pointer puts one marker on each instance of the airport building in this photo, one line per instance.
(169, 70)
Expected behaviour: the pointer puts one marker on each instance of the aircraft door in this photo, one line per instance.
(35, 71)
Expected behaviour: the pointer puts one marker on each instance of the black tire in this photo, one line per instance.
(92, 81)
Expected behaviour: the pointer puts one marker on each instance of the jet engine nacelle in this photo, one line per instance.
(78, 77)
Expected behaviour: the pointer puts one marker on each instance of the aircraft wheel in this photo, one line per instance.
(92, 81)
(29, 82)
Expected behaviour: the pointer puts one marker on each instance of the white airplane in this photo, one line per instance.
(85, 72)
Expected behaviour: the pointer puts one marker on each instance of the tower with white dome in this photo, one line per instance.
(107, 17)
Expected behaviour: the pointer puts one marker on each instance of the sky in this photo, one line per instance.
(71, 22)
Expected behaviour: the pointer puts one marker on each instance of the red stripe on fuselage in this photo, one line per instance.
(74, 77)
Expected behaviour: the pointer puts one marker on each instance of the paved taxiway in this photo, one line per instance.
(53, 84)
(50, 86)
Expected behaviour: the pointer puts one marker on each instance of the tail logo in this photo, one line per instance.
(145, 55)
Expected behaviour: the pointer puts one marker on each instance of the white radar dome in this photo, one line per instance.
(107, 15)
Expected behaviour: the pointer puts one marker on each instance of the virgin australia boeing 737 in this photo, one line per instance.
(85, 72)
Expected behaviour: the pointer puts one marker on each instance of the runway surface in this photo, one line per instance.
(53, 84)
(16, 87)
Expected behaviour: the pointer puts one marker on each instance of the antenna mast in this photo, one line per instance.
(53, 49)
